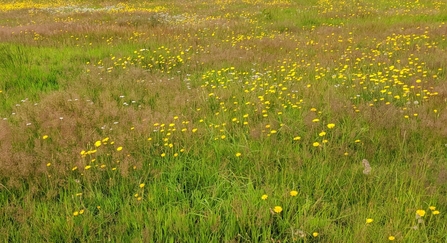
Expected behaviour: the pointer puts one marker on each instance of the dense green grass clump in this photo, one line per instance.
(223, 121)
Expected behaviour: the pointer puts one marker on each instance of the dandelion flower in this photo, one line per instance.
(321, 134)
(87, 167)
(391, 238)
(436, 212)
(369, 220)
(238, 154)
(420, 212)
(119, 148)
(97, 143)
(141, 185)
(277, 209)
(296, 138)
(81, 211)
(163, 155)
(44, 137)
(48, 164)
(316, 144)
(264, 197)
(293, 193)
(75, 213)
(316, 120)
(330, 125)
(432, 208)
(315, 234)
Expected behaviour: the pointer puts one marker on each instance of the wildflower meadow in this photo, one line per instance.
(223, 121)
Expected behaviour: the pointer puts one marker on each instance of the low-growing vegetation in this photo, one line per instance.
(223, 121)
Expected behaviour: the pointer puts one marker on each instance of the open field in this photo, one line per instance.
(223, 121)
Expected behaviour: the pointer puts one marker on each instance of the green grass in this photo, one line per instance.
(225, 121)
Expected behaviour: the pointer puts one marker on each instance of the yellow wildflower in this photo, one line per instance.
(420, 212)
(97, 143)
(277, 209)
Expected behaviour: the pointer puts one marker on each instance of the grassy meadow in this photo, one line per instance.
(223, 121)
